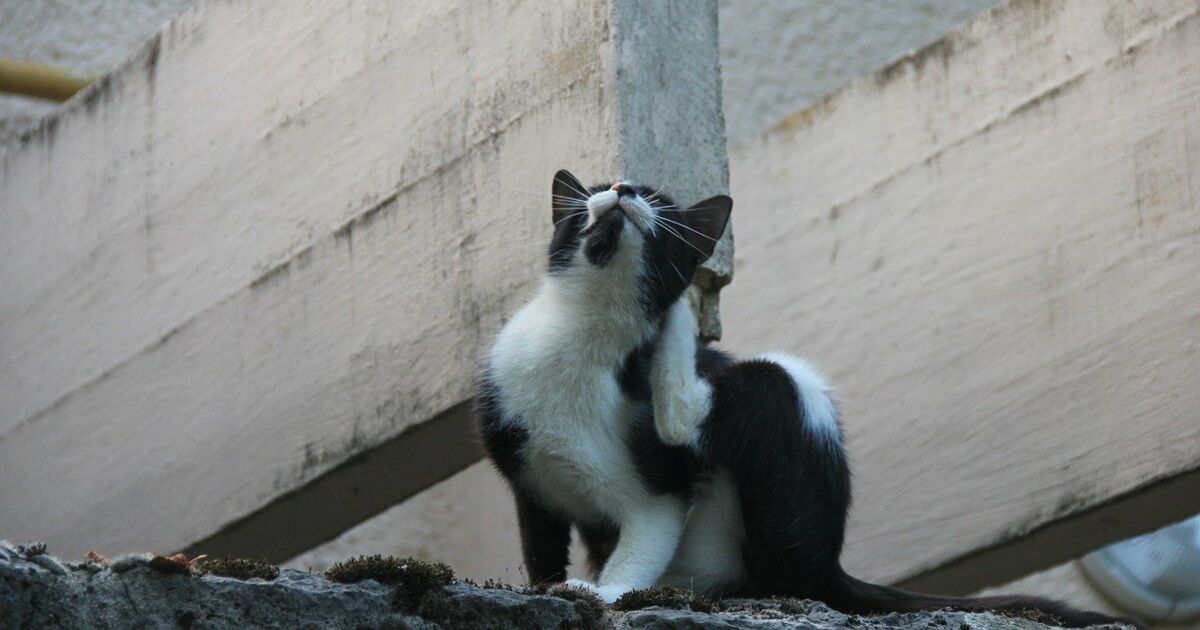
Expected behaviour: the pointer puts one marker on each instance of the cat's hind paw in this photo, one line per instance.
(678, 414)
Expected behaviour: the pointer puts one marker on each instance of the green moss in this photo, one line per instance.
(414, 578)
(390, 570)
(665, 597)
(1032, 614)
(238, 568)
(387, 570)
(793, 606)
(587, 603)
(168, 566)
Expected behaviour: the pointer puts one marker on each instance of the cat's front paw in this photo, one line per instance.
(609, 593)
(580, 584)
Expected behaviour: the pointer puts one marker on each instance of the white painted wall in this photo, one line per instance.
(991, 248)
(289, 261)
(86, 37)
(778, 56)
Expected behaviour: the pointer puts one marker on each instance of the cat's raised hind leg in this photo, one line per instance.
(682, 400)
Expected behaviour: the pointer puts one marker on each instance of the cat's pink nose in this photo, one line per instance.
(621, 188)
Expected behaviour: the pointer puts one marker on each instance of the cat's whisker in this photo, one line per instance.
(573, 214)
(680, 273)
(689, 228)
(680, 237)
(658, 276)
(576, 189)
(561, 198)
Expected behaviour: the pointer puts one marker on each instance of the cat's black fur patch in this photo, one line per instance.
(502, 441)
(545, 539)
(545, 536)
(633, 375)
(794, 488)
(663, 469)
(599, 539)
(602, 237)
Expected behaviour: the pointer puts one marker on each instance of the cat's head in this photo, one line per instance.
(628, 233)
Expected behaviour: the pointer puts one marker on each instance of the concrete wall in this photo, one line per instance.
(1029, 62)
(986, 246)
(86, 37)
(776, 57)
(762, 81)
(990, 246)
(277, 237)
(779, 56)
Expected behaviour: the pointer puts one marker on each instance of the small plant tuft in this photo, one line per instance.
(387, 570)
(414, 578)
(32, 550)
(1032, 614)
(665, 597)
(587, 604)
(238, 568)
(169, 566)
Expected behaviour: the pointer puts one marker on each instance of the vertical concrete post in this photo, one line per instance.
(673, 129)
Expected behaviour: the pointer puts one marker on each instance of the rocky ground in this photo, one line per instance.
(147, 591)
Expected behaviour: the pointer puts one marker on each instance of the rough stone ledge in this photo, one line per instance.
(147, 591)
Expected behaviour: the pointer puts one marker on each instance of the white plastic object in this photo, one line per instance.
(1156, 576)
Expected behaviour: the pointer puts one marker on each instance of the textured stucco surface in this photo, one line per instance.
(289, 262)
(86, 37)
(468, 520)
(778, 56)
(908, 157)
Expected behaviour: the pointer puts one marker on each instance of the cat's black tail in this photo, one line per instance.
(851, 595)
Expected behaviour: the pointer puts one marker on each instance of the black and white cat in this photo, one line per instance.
(676, 464)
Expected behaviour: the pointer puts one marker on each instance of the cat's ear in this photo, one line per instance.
(567, 196)
(706, 223)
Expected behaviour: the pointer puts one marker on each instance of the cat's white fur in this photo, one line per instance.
(709, 558)
(634, 207)
(555, 361)
(819, 411)
(682, 399)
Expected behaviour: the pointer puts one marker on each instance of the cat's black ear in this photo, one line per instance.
(706, 222)
(567, 196)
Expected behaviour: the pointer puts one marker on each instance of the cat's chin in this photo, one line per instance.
(603, 238)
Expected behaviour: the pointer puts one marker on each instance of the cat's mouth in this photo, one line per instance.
(621, 197)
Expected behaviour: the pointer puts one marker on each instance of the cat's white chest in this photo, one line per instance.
(559, 383)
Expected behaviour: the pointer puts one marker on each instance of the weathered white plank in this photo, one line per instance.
(280, 234)
(993, 248)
